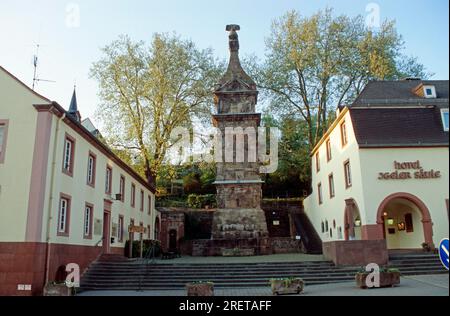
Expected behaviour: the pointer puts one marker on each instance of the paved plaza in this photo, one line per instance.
(429, 285)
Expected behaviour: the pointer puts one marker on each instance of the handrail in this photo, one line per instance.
(98, 242)
(148, 259)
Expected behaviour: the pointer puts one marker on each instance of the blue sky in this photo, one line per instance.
(67, 53)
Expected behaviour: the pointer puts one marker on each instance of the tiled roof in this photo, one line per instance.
(401, 92)
(399, 127)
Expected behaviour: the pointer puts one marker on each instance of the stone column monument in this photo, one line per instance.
(239, 216)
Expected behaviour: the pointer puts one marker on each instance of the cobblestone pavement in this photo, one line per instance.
(429, 285)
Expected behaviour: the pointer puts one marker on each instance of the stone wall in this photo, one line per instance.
(356, 252)
(286, 245)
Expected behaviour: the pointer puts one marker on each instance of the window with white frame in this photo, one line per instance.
(142, 201)
(108, 180)
(63, 218)
(429, 92)
(122, 188)
(91, 170)
(68, 159)
(344, 138)
(88, 213)
(133, 195)
(444, 115)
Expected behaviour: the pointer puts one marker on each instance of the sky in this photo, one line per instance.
(72, 33)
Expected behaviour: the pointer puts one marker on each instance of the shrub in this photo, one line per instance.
(147, 245)
(202, 201)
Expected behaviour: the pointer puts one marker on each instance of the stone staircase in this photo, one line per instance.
(139, 275)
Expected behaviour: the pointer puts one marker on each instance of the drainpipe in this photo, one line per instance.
(50, 201)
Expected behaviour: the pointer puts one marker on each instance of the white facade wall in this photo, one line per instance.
(368, 192)
(16, 105)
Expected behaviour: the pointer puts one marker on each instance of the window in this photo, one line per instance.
(92, 159)
(88, 216)
(68, 158)
(329, 155)
(149, 211)
(409, 223)
(331, 185)
(108, 180)
(344, 138)
(429, 92)
(142, 201)
(444, 114)
(120, 236)
(348, 174)
(3, 135)
(122, 188)
(64, 216)
(133, 195)
(317, 162)
(319, 191)
(148, 232)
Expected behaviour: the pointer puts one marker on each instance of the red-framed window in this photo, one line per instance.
(344, 136)
(317, 161)
(348, 174)
(91, 169)
(108, 180)
(121, 228)
(68, 155)
(88, 219)
(122, 188)
(63, 228)
(329, 153)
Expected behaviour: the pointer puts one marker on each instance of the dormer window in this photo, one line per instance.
(445, 123)
(429, 92)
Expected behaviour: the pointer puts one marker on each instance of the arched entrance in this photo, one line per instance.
(405, 222)
(352, 221)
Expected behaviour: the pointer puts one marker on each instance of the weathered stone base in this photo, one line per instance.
(239, 224)
(216, 248)
(356, 252)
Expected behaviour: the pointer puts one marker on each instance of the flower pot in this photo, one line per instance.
(387, 279)
(200, 289)
(287, 286)
(57, 290)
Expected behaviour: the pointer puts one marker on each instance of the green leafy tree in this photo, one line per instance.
(314, 64)
(147, 91)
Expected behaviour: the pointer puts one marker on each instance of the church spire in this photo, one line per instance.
(235, 71)
(73, 108)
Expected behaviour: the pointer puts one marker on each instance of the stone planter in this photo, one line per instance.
(200, 289)
(387, 279)
(287, 286)
(58, 290)
(238, 252)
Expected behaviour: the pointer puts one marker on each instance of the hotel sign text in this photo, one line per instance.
(409, 170)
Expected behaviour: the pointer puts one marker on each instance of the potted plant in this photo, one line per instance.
(200, 289)
(389, 277)
(58, 289)
(287, 286)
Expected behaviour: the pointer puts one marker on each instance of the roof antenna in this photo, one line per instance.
(35, 65)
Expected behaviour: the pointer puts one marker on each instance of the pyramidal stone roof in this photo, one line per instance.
(235, 78)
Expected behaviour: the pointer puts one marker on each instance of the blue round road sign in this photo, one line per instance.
(443, 252)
